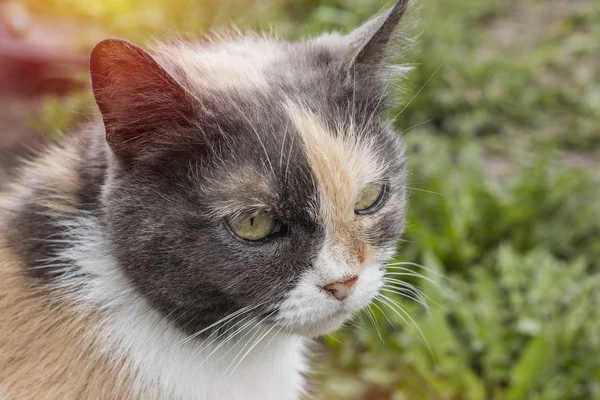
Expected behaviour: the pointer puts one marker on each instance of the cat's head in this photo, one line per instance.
(253, 175)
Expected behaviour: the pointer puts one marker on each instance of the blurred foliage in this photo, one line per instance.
(57, 115)
(516, 313)
(464, 215)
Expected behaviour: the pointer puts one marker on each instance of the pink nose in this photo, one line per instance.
(341, 290)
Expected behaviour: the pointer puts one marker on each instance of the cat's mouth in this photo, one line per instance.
(312, 311)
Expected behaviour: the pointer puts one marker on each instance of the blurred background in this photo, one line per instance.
(501, 116)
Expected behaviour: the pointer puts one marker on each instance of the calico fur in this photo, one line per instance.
(119, 275)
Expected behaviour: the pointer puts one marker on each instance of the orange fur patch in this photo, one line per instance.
(344, 164)
(46, 350)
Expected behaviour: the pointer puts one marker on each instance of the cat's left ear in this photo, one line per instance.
(368, 43)
(144, 109)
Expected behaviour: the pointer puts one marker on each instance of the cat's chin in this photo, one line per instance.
(320, 327)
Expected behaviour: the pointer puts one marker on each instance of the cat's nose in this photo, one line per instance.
(341, 289)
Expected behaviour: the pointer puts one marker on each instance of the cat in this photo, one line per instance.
(233, 199)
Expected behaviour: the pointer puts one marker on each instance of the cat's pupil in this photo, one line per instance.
(252, 221)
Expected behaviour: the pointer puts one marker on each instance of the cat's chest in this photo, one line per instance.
(275, 373)
(271, 368)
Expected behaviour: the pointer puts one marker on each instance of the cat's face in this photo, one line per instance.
(252, 175)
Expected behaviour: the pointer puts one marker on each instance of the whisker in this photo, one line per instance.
(416, 94)
(354, 325)
(371, 316)
(221, 344)
(393, 282)
(257, 325)
(381, 98)
(409, 286)
(56, 241)
(400, 308)
(384, 302)
(408, 293)
(252, 347)
(425, 305)
(384, 315)
(423, 190)
(205, 345)
(270, 340)
(336, 340)
(219, 322)
(418, 292)
(257, 329)
(237, 313)
(393, 264)
(414, 126)
(412, 273)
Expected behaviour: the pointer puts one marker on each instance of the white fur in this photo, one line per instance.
(238, 64)
(312, 311)
(166, 368)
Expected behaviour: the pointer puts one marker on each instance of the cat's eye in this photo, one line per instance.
(254, 228)
(370, 198)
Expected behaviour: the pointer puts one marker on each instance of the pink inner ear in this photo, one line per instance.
(139, 101)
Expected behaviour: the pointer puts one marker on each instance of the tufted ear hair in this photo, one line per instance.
(369, 42)
(142, 106)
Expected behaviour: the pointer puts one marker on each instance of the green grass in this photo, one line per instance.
(504, 97)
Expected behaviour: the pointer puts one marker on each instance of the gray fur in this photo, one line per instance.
(174, 143)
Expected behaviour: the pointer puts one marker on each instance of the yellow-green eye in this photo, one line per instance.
(370, 198)
(254, 228)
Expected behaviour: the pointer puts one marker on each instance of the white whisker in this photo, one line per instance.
(256, 329)
(404, 294)
(384, 314)
(392, 264)
(221, 321)
(408, 293)
(412, 273)
(400, 308)
(270, 340)
(423, 190)
(252, 347)
(410, 287)
(354, 325)
(222, 343)
(413, 127)
(416, 94)
(204, 345)
(413, 289)
(373, 319)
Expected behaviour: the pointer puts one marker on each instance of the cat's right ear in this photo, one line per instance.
(369, 43)
(142, 106)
